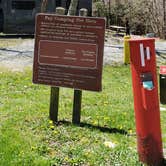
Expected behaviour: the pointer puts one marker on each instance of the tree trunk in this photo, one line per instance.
(164, 18)
(73, 7)
(43, 6)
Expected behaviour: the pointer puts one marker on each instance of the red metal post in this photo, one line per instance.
(146, 102)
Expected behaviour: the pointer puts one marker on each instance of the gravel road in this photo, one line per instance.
(20, 56)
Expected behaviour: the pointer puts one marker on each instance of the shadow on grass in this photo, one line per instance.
(90, 126)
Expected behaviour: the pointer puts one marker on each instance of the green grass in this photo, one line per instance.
(28, 138)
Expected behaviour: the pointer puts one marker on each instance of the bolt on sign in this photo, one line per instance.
(69, 51)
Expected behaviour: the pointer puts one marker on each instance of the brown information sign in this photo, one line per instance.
(69, 51)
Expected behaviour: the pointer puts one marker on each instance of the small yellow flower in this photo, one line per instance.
(130, 131)
(125, 113)
(95, 123)
(98, 117)
(66, 159)
(106, 103)
(109, 144)
(86, 154)
(50, 122)
(51, 126)
(55, 132)
(106, 118)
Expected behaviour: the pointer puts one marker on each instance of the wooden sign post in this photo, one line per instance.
(54, 96)
(68, 53)
(78, 93)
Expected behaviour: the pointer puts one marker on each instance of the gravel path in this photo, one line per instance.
(20, 56)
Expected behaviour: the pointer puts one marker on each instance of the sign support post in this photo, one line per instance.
(78, 93)
(54, 103)
(77, 106)
(54, 96)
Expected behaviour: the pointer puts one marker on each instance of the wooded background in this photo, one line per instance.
(145, 16)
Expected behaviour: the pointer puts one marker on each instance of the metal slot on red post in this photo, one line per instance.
(147, 81)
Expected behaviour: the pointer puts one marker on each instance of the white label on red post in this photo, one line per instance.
(142, 55)
(148, 53)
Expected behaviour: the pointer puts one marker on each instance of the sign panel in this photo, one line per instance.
(163, 70)
(69, 51)
(69, 54)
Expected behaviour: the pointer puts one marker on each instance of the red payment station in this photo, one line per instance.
(146, 102)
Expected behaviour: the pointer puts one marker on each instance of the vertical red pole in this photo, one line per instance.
(146, 102)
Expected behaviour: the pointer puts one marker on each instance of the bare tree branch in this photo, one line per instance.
(44, 5)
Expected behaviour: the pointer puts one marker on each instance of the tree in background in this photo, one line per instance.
(99, 8)
(145, 16)
(154, 16)
(164, 22)
(44, 5)
(73, 7)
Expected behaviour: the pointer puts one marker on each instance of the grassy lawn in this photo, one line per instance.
(105, 137)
